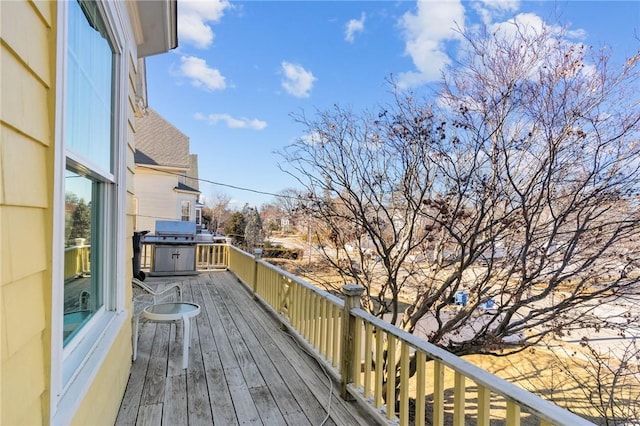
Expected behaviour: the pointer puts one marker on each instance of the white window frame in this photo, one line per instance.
(198, 216)
(73, 368)
(182, 216)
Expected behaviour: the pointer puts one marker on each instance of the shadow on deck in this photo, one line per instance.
(243, 368)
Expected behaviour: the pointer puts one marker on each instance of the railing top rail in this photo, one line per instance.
(538, 406)
(323, 293)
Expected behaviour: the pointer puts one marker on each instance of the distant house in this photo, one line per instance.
(72, 82)
(165, 181)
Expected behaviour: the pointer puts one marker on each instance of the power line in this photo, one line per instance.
(227, 185)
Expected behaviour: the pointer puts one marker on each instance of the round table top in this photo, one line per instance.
(171, 311)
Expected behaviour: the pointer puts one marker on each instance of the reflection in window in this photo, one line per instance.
(82, 295)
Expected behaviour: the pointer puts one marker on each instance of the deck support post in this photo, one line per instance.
(352, 294)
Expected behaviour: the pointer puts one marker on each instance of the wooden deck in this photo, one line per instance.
(243, 368)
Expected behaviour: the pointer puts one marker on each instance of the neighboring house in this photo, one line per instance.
(165, 181)
(72, 82)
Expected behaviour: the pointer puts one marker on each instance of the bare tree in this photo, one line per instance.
(516, 183)
(219, 205)
(609, 381)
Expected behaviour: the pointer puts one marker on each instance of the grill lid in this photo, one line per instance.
(175, 228)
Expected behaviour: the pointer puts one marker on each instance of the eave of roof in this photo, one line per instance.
(155, 25)
(184, 188)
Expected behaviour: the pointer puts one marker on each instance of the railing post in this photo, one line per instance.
(257, 254)
(352, 294)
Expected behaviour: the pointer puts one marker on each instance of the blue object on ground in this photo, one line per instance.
(461, 298)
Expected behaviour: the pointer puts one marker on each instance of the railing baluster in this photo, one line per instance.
(312, 321)
(404, 384)
(357, 354)
(391, 376)
(484, 405)
(324, 323)
(377, 399)
(336, 335)
(459, 392)
(368, 336)
(421, 366)
(307, 313)
(438, 393)
(513, 413)
(316, 321)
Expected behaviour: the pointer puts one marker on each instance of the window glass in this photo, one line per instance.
(88, 123)
(88, 183)
(186, 210)
(83, 295)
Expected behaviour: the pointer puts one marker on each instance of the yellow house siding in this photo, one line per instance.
(30, 46)
(25, 382)
(25, 161)
(21, 328)
(26, 135)
(24, 102)
(27, 252)
(101, 403)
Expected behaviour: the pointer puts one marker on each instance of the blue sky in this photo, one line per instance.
(242, 67)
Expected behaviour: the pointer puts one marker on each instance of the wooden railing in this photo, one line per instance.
(76, 261)
(358, 345)
(209, 256)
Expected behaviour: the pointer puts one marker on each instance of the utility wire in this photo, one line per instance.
(227, 185)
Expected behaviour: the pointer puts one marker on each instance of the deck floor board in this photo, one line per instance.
(243, 368)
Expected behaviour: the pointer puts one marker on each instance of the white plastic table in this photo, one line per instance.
(166, 312)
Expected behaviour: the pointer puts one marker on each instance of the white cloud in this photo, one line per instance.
(354, 26)
(200, 74)
(232, 122)
(193, 19)
(425, 33)
(489, 10)
(297, 81)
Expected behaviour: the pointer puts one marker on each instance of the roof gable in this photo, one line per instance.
(159, 143)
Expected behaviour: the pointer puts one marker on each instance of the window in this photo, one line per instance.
(185, 211)
(89, 212)
(198, 216)
(89, 180)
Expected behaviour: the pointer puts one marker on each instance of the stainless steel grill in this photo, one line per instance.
(174, 248)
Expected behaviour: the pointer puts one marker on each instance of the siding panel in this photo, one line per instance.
(24, 102)
(32, 46)
(23, 163)
(25, 229)
(24, 373)
(24, 309)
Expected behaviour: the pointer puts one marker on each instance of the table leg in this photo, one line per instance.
(186, 337)
(135, 336)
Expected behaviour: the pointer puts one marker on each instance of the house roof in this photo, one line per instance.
(182, 187)
(159, 143)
